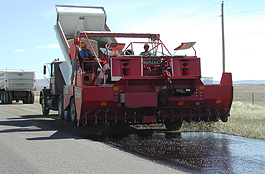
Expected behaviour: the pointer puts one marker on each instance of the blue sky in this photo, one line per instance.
(28, 39)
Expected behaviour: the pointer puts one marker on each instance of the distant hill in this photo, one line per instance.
(245, 82)
(249, 82)
(42, 82)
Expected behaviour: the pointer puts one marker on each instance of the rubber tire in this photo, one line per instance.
(10, 98)
(27, 99)
(5, 97)
(32, 98)
(60, 108)
(2, 97)
(45, 110)
(66, 114)
(173, 126)
(73, 111)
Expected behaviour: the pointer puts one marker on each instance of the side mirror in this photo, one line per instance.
(44, 69)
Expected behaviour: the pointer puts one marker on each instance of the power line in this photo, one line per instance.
(244, 12)
(195, 25)
(213, 19)
(187, 16)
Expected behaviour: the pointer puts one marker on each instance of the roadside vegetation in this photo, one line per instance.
(247, 114)
(245, 120)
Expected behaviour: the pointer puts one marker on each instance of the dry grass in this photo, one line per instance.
(245, 119)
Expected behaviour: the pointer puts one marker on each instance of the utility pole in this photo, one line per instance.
(223, 37)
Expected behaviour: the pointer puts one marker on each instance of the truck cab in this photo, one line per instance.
(49, 97)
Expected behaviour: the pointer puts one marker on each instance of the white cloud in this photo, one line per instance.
(20, 51)
(50, 46)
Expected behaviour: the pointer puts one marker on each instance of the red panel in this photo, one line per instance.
(212, 93)
(126, 67)
(226, 79)
(149, 119)
(176, 67)
(147, 99)
(186, 66)
(99, 93)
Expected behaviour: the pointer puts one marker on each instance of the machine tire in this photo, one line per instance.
(45, 110)
(73, 111)
(173, 126)
(60, 108)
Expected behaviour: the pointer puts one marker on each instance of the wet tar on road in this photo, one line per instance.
(195, 152)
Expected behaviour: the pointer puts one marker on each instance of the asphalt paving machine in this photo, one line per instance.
(118, 86)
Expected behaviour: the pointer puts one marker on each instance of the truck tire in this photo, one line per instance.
(45, 110)
(4, 97)
(173, 126)
(73, 111)
(27, 99)
(60, 108)
(32, 98)
(66, 113)
(10, 97)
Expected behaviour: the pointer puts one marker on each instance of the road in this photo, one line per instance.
(29, 144)
(32, 143)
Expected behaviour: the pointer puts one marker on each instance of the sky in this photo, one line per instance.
(28, 40)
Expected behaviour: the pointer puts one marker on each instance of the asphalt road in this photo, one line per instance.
(32, 143)
(29, 145)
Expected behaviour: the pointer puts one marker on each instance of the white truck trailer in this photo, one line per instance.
(17, 85)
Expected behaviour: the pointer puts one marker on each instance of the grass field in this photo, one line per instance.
(245, 119)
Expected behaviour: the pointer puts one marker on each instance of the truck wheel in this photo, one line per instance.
(2, 97)
(27, 100)
(45, 110)
(60, 108)
(5, 97)
(173, 126)
(66, 114)
(73, 111)
(10, 98)
(32, 98)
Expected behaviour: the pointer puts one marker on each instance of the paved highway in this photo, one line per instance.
(28, 145)
(32, 143)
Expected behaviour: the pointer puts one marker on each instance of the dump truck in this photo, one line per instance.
(120, 86)
(17, 85)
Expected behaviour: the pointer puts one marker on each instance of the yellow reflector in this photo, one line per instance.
(219, 101)
(116, 88)
(157, 88)
(181, 103)
(201, 87)
(103, 103)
